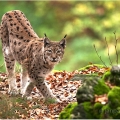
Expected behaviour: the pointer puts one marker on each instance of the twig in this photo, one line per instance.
(99, 56)
(116, 47)
(108, 52)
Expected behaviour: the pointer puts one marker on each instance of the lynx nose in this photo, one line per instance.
(54, 60)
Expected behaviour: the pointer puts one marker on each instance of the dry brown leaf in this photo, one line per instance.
(103, 99)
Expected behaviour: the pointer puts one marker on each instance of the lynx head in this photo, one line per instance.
(53, 51)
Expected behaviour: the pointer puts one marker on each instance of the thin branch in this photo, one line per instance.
(99, 56)
(108, 52)
(116, 47)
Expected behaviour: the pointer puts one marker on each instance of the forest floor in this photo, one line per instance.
(37, 108)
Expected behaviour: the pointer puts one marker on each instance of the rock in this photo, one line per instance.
(91, 86)
(115, 69)
(115, 75)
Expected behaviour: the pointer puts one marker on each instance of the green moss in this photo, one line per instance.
(106, 76)
(66, 113)
(83, 111)
(110, 113)
(101, 88)
(97, 105)
(88, 109)
(114, 97)
(88, 66)
(116, 113)
(106, 112)
(97, 110)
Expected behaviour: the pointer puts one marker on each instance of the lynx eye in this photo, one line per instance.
(59, 51)
(49, 51)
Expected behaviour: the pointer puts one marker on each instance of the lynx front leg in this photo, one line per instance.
(24, 80)
(29, 89)
(44, 89)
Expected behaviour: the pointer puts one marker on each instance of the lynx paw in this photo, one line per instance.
(22, 91)
(13, 92)
(56, 100)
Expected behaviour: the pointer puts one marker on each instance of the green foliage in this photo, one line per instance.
(66, 113)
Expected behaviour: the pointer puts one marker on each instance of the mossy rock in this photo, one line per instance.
(101, 88)
(114, 97)
(109, 113)
(113, 75)
(83, 111)
(67, 112)
(90, 87)
(97, 110)
(85, 93)
(105, 112)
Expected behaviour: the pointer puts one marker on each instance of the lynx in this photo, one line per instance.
(37, 56)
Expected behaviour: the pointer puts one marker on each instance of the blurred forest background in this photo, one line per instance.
(85, 23)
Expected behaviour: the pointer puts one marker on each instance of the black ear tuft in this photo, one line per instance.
(63, 42)
(45, 35)
(65, 36)
(46, 40)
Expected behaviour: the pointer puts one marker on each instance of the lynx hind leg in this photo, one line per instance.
(10, 63)
(44, 89)
(28, 90)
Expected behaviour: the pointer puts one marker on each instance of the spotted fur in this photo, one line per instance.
(37, 56)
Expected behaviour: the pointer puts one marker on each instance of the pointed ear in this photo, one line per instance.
(46, 40)
(63, 42)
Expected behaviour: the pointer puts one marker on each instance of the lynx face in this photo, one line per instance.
(53, 51)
